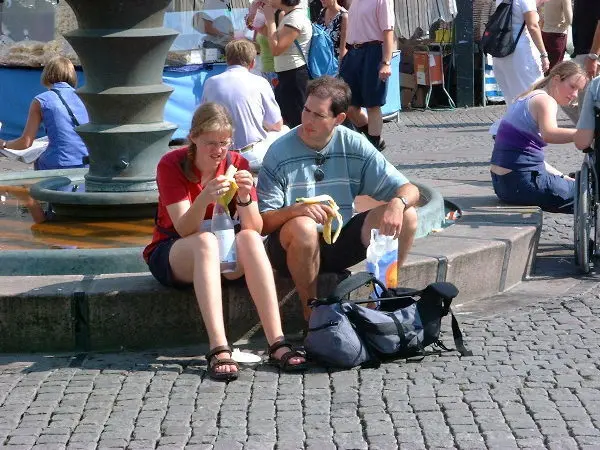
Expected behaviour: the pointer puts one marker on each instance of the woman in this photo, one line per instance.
(294, 30)
(519, 173)
(255, 20)
(516, 72)
(190, 180)
(334, 18)
(60, 110)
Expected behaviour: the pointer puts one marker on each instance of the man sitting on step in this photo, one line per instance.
(250, 100)
(320, 157)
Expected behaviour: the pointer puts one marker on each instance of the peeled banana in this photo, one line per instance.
(327, 225)
(233, 187)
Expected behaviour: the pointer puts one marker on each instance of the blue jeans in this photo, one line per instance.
(540, 188)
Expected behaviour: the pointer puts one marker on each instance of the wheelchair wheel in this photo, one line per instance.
(582, 218)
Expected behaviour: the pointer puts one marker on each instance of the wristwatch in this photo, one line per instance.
(386, 63)
(405, 201)
(592, 56)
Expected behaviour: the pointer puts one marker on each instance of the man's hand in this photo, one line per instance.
(385, 71)
(245, 182)
(591, 66)
(391, 221)
(318, 212)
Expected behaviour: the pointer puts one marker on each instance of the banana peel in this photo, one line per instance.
(327, 225)
(226, 198)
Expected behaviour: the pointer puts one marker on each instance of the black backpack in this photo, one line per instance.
(497, 39)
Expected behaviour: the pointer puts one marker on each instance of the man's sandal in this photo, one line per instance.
(284, 362)
(218, 362)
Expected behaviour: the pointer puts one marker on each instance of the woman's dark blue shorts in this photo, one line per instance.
(360, 69)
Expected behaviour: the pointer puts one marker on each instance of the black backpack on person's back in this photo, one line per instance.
(497, 39)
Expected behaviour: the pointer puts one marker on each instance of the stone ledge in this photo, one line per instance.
(133, 311)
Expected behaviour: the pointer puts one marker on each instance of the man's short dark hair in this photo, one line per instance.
(334, 88)
(290, 2)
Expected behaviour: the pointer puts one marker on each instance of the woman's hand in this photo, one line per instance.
(245, 182)
(215, 188)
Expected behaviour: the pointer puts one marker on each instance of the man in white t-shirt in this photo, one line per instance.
(250, 100)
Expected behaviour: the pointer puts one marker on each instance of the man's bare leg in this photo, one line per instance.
(375, 119)
(300, 239)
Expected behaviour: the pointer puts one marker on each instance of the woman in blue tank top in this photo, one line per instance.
(520, 175)
(60, 110)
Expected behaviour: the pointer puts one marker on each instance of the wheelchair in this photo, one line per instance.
(586, 211)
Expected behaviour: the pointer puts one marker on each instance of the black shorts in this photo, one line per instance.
(160, 268)
(158, 263)
(360, 69)
(345, 252)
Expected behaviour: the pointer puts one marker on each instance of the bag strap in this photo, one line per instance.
(520, 32)
(458, 338)
(69, 110)
(352, 283)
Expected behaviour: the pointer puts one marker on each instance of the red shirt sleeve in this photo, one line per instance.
(172, 184)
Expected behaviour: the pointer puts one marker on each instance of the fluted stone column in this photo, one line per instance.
(122, 45)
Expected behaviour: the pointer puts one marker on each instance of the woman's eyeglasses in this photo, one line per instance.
(225, 145)
(319, 161)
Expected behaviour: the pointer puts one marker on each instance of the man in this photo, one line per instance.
(586, 43)
(250, 99)
(367, 65)
(586, 126)
(557, 18)
(321, 157)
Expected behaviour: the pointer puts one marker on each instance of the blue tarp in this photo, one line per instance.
(18, 86)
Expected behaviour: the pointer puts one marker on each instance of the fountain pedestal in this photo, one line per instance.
(122, 45)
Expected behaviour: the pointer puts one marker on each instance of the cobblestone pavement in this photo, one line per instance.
(533, 382)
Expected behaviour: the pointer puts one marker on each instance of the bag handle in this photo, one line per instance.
(69, 110)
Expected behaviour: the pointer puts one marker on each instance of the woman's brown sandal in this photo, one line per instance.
(284, 362)
(212, 366)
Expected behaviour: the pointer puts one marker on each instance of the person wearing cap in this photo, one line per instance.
(367, 65)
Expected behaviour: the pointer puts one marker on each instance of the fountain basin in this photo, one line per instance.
(101, 244)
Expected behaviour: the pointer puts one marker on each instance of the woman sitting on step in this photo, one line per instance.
(520, 174)
(184, 252)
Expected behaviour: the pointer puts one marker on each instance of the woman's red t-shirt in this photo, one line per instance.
(174, 187)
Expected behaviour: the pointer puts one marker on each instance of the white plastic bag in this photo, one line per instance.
(382, 260)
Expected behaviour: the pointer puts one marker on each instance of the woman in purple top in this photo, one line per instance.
(520, 174)
(60, 110)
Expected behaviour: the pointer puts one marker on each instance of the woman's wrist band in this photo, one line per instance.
(544, 55)
(243, 203)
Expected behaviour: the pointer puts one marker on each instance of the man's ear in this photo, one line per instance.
(252, 64)
(339, 119)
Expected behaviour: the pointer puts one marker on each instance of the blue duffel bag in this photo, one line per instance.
(345, 334)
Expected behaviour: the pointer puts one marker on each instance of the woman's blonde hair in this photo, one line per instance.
(59, 69)
(563, 70)
(208, 117)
